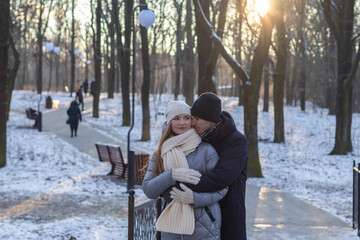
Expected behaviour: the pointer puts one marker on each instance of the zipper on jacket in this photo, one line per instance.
(208, 212)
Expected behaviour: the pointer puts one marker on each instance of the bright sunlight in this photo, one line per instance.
(262, 6)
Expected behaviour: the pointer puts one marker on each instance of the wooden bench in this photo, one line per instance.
(104, 155)
(113, 154)
(119, 167)
(33, 115)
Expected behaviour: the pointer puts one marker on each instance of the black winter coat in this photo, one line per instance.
(79, 95)
(231, 145)
(74, 114)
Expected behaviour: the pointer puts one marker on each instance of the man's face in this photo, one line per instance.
(201, 125)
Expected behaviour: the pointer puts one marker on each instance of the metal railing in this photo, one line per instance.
(356, 198)
(142, 219)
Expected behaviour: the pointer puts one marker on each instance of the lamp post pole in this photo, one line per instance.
(146, 20)
(131, 154)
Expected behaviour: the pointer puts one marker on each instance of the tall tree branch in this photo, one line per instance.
(235, 65)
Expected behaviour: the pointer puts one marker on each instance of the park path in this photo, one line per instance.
(271, 214)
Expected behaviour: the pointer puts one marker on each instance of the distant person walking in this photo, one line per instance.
(80, 98)
(74, 114)
(92, 87)
(86, 86)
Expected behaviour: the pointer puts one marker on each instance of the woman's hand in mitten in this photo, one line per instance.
(185, 196)
(186, 175)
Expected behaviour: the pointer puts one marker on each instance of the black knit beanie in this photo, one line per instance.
(207, 107)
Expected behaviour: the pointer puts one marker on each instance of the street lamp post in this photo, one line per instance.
(49, 46)
(146, 19)
(57, 50)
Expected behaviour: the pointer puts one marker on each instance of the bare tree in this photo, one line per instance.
(4, 46)
(279, 75)
(301, 45)
(72, 51)
(251, 84)
(340, 17)
(145, 88)
(125, 66)
(178, 54)
(40, 34)
(267, 73)
(97, 57)
(188, 69)
(240, 6)
(112, 45)
(204, 47)
(13, 71)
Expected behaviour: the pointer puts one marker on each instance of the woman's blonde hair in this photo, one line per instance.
(166, 134)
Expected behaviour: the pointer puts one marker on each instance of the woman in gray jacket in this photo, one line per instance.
(179, 157)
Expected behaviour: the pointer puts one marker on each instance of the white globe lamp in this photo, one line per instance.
(49, 46)
(57, 49)
(146, 18)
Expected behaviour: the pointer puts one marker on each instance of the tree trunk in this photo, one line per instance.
(179, 39)
(13, 72)
(72, 83)
(4, 71)
(24, 56)
(279, 77)
(302, 53)
(39, 53)
(251, 84)
(57, 63)
(207, 80)
(343, 142)
(97, 58)
(204, 48)
(288, 83)
(87, 53)
(125, 64)
(331, 69)
(251, 96)
(145, 89)
(188, 70)
(266, 86)
(240, 6)
(111, 76)
(340, 17)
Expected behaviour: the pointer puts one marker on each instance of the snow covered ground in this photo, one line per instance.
(40, 166)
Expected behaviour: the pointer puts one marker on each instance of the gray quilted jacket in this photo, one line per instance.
(203, 159)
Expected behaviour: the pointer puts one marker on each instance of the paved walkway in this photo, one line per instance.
(271, 214)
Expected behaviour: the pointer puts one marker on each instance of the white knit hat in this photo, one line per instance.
(175, 108)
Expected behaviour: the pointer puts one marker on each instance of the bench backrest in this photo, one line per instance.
(102, 152)
(29, 115)
(117, 159)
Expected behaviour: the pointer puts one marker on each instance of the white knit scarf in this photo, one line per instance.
(178, 217)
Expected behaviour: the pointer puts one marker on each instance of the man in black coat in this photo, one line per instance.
(80, 98)
(218, 128)
(86, 86)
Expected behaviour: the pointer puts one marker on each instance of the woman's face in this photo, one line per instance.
(181, 123)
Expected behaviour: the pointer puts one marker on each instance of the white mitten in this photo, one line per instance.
(186, 175)
(186, 196)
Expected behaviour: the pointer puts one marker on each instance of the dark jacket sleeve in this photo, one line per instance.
(232, 164)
